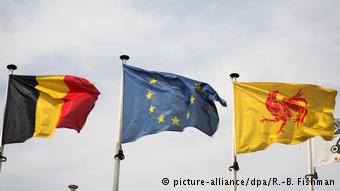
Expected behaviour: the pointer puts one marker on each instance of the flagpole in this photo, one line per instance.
(234, 168)
(119, 151)
(310, 174)
(11, 68)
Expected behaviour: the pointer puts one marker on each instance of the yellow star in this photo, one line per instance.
(149, 95)
(161, 119)
(192, 99)
(198, 86)
(175, 121)
(152, 109)
(153, 81)
(188, 115)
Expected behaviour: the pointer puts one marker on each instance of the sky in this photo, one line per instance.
(280, 41)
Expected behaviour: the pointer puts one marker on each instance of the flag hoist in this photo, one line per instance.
(11, 69)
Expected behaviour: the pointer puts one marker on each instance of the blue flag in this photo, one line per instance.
(158, 101)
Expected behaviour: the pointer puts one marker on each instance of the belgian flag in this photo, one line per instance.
(37, 105)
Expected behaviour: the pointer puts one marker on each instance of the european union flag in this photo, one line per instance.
(158, 101)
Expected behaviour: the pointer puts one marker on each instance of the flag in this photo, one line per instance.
(326, 152)
(158, 101)
(36, 105)
(268, 112)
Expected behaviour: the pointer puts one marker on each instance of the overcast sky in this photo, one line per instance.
(286, 41)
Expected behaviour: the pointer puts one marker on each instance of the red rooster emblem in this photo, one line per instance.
(289, 108)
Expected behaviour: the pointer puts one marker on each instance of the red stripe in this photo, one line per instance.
(78, 103)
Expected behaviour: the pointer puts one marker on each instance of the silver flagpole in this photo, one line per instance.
(310, 174)
(10, 68)
(234, 168)
(119, 152)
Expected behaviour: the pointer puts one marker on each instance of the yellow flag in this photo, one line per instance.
(268, 112)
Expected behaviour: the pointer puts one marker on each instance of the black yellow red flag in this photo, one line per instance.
(37, 105)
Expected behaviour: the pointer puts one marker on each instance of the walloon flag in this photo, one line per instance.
(326, 152)
(158, 101)
(268, 112)
(36, 105)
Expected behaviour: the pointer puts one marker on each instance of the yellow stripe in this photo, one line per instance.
(52, 90)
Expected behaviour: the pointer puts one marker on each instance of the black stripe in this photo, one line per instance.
(19, 119)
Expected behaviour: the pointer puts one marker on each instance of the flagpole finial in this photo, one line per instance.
(72, 187)
(124, 57)
(11, 67)
(234, 75)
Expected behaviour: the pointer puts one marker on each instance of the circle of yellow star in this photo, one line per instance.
(149, 95)
(161, 118)
(192, 99)
(152, 109)
(153, 81)
(175, 121)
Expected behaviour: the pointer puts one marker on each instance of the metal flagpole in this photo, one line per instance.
(310, 174)
(10, 68)
(234, 168)
(119, 151)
